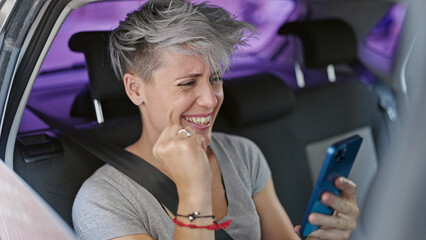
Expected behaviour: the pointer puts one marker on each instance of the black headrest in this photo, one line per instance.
(103, 82)
(255, 99)
(326, 41)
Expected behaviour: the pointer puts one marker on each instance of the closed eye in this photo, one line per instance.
(187, 84)
(216, 79)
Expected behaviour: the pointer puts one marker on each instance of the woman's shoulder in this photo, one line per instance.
(104, 177)
(108, 199)
(103, 183)
(107, 183)
(106, 206)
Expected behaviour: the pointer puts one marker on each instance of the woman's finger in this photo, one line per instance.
(184, 133)
(297, 229)
(341, 205)
(329, 234)
(332, 222)
(201, 141)
(190, 130)
(170, 131)
(347, 187)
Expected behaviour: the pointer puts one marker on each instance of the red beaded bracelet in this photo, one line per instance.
(213, 226)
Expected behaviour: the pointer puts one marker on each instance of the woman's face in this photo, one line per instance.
(182, 91)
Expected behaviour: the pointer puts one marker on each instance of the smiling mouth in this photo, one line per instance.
(200, 121)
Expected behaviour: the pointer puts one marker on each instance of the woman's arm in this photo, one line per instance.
(183, 159)
(274, 221)
(188, 201)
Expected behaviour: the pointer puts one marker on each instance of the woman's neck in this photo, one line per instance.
(143, 149)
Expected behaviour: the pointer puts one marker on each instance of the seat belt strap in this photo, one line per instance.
(139, 170)
(158, 184)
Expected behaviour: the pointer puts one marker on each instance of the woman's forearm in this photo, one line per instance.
(191, 201)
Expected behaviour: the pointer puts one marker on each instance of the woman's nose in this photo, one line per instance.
(207, 97)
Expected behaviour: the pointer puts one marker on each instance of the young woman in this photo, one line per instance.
(171, 55)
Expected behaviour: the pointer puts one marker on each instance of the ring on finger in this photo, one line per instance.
(188, 134)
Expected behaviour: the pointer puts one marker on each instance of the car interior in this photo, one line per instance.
(320, 74)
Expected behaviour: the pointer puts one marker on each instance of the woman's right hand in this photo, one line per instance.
(184, 158)
(185, 161)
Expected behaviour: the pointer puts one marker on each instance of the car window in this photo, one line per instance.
(382, 40)
(17, 19)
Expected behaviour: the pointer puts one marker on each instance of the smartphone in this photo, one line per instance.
(338, 162)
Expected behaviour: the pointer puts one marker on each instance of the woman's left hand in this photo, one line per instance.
(340, 225)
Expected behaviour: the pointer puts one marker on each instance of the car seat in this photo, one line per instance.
(117, 117)
(295, 143)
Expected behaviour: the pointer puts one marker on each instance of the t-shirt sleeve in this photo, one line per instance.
(260, 172)
(100, 211)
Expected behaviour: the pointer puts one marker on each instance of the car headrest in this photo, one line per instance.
(103, 82)
(325, 41)
(255, 99)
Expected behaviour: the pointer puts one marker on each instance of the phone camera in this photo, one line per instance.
(340, 155)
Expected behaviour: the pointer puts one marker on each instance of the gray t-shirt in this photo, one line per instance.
(109, 204)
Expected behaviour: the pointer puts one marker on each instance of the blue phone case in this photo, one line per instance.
(338, 162)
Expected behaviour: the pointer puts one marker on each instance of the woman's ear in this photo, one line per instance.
(133, 87)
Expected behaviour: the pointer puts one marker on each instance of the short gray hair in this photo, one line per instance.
(195, 29)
